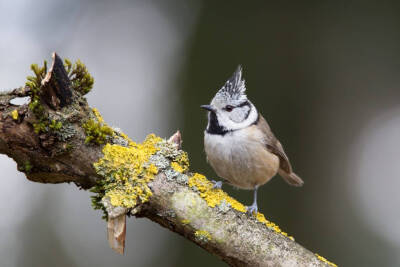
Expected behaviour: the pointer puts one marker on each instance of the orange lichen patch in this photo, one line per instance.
(213, 197)
(325, 260)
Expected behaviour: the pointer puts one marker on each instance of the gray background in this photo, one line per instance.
(324, 74)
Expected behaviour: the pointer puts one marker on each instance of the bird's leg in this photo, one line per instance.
(216, 185)
(253, 208)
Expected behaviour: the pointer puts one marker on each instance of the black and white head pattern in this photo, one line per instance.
(232, 109)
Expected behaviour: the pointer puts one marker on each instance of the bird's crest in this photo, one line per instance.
(235, 87)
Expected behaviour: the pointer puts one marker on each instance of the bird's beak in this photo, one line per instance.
(208, 107)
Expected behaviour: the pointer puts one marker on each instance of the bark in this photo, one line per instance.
(63, 156)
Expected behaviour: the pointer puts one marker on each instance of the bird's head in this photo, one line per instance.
(230, 109)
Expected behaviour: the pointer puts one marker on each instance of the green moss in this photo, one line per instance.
(69, 147)
(34, 83)
(43, 123)
(81, 81)
(26, 167)
(80, 77)
(99, 189)
(96, 132)
(40, 127)
(55, 125)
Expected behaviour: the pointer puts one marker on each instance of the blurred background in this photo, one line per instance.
(325, 75)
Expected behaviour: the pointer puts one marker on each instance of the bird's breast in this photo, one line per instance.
(241, 158)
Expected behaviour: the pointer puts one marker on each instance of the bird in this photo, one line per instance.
(239, 143)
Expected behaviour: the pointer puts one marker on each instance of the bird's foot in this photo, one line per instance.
(253, 209)
(216, 185)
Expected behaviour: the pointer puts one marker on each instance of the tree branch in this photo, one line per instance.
(58, 138)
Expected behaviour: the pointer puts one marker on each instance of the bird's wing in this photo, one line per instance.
(273, 145)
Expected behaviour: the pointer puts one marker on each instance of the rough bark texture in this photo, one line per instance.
(236, 238)
(64, 156)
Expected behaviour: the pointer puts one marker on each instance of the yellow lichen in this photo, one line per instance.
(212, 196)
(119, 132)
(152, 169)
(176, 167)
(325, 260)
(124, 136)
(127, 171)
(181, 163)
(261, 218)
(185, 221)
(202, 235)
(14, 114)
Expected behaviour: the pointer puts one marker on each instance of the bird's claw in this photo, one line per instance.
(252, 210)
(216, 185)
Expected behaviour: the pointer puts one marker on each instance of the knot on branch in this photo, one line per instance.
(45, 130)
(56, 88)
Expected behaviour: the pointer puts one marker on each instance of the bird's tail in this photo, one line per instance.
(291, 178)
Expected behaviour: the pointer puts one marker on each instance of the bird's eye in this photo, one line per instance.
(229, 108)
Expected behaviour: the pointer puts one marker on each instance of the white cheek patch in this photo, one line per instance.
(252, 116)
(239, 114)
